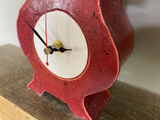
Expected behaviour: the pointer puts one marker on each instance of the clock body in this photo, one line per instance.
(107, 40)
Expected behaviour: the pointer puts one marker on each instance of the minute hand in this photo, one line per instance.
(36, 33)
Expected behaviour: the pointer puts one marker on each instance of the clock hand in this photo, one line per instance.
(36, 33)
(59, 46)
(48, 50)
(61, 49)
(52, 49)
(46, 32)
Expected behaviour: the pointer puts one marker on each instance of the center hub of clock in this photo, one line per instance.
(56, 47)
(57, 44)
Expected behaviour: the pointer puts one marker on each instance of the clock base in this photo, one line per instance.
(91, 106)
(86, 107)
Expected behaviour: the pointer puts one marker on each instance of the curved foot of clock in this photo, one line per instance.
(35, 85)
(91, 106)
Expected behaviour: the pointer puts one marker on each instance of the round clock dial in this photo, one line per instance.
(60, 26)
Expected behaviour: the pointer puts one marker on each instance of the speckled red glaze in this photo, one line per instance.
(109, 39)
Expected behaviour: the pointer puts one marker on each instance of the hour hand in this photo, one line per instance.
(61, 49)
(36, 33)
(52, 49)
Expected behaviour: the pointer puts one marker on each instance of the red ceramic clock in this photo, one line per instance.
(76, 49)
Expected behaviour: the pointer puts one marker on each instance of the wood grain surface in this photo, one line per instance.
(9, 111)
(126, 103)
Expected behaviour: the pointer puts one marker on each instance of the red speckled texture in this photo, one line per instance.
(110, 42)
(119, 26)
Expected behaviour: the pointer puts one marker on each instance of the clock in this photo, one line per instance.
(76, 49)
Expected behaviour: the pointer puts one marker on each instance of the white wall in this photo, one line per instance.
(143, 67)
(9, 12)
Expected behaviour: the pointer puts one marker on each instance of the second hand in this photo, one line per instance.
(46, 32)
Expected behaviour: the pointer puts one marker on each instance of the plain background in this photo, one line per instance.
(143, 67)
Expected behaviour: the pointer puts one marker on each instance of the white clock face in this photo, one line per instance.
(60, 26)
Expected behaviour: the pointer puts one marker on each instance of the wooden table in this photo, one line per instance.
(19, 103)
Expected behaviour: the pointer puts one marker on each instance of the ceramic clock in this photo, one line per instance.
(76, 49)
